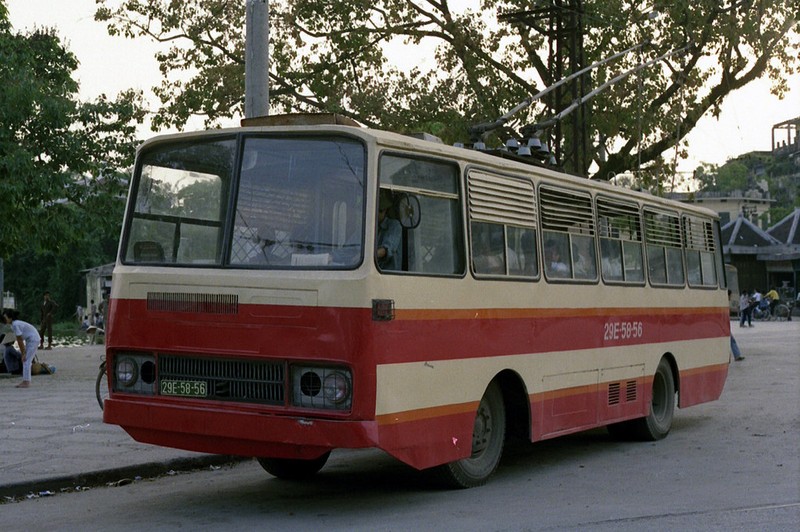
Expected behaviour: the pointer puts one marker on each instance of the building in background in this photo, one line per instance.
(765, 252)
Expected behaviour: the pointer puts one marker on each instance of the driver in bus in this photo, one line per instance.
(388, 252)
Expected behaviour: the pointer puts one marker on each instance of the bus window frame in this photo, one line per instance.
(469, 221)
(686, 217)
(622, 201)
(327, 135)
(429, 193)
(655, 209)
(554, 186)
(136, 177)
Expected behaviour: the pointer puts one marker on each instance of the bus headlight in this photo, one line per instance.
(336, 387)
(321, 387)
(134, 373)
(127, 372)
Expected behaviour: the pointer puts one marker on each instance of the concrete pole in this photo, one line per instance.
(256, 69)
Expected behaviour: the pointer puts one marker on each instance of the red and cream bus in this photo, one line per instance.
(250, 315)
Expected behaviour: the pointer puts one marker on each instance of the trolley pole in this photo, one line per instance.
(256, 69)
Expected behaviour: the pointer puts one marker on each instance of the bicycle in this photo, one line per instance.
(782, 312)
(762, 313)
(101, 386)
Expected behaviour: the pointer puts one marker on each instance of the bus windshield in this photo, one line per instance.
(287, 202)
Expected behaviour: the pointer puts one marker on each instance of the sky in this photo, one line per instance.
(111, 64)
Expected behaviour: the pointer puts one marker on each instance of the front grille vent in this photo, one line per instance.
(193, 303)
(229, 380)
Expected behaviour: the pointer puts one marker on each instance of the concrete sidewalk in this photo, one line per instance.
(52, 434)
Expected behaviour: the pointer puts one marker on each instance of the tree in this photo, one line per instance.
(748, 172)
(330, 56)
(62, 168)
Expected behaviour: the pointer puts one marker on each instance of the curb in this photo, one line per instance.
(94, 479)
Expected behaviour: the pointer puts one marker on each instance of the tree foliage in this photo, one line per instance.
(331, 56)
(62, 167)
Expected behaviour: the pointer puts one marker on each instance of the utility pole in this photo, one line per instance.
(561, 21)
(256, 64)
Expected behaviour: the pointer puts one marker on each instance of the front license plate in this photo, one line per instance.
(184, 388)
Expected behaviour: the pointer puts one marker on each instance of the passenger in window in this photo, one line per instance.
(390, 235)
(514, 266)
(487, 249)
(611, 261)
(553, 263)
(585, 266)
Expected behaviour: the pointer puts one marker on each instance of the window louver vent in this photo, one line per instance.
(699, 234)
(566, 211)
(662, 229)
(501, 200)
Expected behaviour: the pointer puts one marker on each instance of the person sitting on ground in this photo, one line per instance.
(11, 357)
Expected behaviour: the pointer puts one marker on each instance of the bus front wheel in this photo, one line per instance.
(292, 468)
(488, 439)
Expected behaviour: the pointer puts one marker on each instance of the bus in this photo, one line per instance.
(254, 311)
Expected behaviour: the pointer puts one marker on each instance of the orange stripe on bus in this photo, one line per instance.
(427, 413)
(511, 313)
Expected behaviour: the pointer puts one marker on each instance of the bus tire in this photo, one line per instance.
(293, 468)
(488, 440)
(656, 425)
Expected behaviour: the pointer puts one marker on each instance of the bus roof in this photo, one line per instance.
(332, 123)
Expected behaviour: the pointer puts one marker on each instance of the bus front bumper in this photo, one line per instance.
(242, 433)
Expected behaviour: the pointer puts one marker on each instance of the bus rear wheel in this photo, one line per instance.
(488, 439)
(657, 424)
(293, 468)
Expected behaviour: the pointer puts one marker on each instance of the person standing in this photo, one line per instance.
(745, 309)
(28, 340)
(737, 354)
(48, 309)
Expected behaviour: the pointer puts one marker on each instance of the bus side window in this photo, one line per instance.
(568, 234)
(434, 245)
(620, 228)
(700, 247)
(502, 215)
(664, 248)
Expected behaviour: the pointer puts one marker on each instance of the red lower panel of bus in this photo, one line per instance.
(422, 438)
(350, 337)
